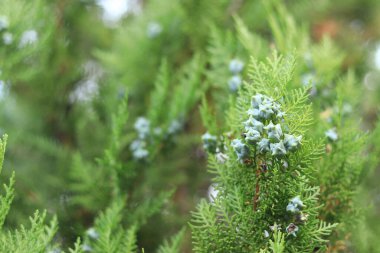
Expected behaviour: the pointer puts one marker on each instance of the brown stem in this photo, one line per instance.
(257, 190)
(235, 6)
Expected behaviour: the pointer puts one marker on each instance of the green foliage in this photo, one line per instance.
(25, 53)
(77, 247)
(105, 128)
(83, 174)
(174, 245)
(38, 237)
(278, 243)
(251, 197)
(5, 201)
(112, 238)
(109, 236)
(287, 34)
(35, 239)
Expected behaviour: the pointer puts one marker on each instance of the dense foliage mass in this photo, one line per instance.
(112, 125)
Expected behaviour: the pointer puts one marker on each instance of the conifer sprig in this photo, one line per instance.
(266, 180)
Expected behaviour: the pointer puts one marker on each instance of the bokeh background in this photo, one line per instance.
(69, 64)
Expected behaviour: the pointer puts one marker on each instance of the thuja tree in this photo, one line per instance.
(43, 46)
(35, 238)
(263, 165)
(141, 152)
(136, 156)
(57, 103)
(111, 231)
(365, 236)
(334, 93)
(341, 165)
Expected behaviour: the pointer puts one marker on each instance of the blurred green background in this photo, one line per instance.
(57, 97)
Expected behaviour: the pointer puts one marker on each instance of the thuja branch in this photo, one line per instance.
(257, 189)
